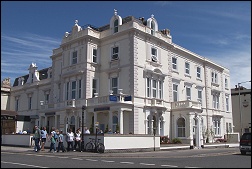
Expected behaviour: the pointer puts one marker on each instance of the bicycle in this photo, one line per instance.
(91, 147)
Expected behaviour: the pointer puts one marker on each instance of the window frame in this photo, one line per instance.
(112, 87)
(188, 97)
(95, 59)
(116, 24)
(74, 57)
(114, 53)
(174, 64)
(94, 88)
(176, 91)
(154, 57)
(182, 128)
(187, 68)
(198, 72)
(73, 90)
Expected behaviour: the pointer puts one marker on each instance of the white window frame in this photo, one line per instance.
(216, 126)
(188, 93)
(154, 88)
(94, 88)
(200, 96)
(226, 83)
(115, 55)
(227, 103)
(216, 100)
(214, 77)
(160, 89)
(174, 64)
(175, 91)
(182, 128)
(73, 89)
(148, 84)
(154, 56)
(94, 53)
(187, 68)
(74, 57)
(112, 87)
(198, 72)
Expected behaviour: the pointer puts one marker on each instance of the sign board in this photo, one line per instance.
(113, 98)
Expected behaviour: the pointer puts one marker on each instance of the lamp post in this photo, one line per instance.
(154, 132)
(96, 127)
(82, 127)
(240, 105)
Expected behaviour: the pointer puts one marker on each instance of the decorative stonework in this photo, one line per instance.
(6, 83)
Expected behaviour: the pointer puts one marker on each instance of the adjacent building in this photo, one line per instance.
(130, 77)
(241, 105)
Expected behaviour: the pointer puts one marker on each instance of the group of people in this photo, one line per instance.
(56, 136)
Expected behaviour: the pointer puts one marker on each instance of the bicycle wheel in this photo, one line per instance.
(100, 148)
(89, 147)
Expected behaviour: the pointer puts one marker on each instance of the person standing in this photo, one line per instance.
(86, 131)
(37, 138)
(53, 141)
(77, 140)
(70, 139)
(61, 144)
(44, 136)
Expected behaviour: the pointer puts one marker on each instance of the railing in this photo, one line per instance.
(120, 98)
(186, 104)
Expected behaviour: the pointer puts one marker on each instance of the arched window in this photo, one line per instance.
(115, 123)
(181, 127)
(116, 26)
(72, 123)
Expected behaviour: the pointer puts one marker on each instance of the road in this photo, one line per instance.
(203, 158)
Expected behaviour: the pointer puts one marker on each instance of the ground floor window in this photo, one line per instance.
(181, 127)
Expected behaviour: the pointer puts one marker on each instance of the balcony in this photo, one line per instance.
(109, 99)
(70, 103)
(185, 105)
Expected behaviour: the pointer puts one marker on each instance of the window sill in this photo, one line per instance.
(156, 64)
(175, 71)
(187, 75)
(199, 79)
(215, 84)
(95, 64)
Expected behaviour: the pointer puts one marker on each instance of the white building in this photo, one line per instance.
(129, 76)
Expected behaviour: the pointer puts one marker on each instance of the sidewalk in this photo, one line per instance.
(186, 146)
(163, 147)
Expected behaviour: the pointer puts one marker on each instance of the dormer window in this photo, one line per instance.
(152, 27)
(154, 54)
(115, 53)
(116, 26)
(32, 78)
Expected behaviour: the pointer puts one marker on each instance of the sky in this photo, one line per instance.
(217, 30)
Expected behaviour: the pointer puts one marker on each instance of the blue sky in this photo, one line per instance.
(218, 30)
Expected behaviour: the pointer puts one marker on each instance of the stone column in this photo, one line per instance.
(191, 131)
(120, 113)
(110, 125)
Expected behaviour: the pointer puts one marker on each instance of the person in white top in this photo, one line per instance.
(70, 139)
(77, 140)
(86, 131)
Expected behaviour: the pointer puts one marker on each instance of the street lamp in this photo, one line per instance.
(82, 124)
(96, 127)
(240, 104)
(154, 132)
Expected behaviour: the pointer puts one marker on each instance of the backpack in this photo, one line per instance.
(56, 136)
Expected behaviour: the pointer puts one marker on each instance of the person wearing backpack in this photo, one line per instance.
(53, 139)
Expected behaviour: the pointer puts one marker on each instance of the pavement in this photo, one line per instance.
(163, 147)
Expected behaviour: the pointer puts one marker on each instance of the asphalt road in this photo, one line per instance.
(203, 158)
